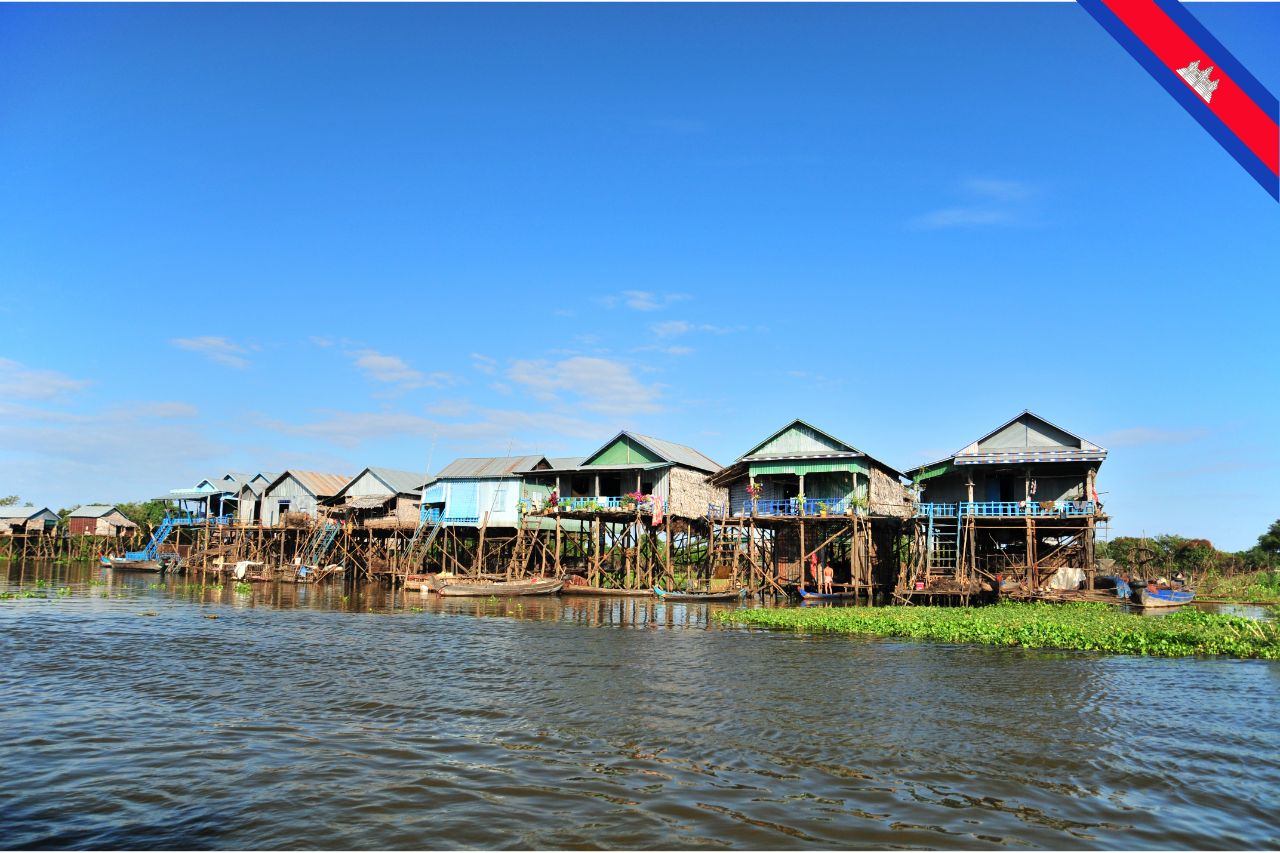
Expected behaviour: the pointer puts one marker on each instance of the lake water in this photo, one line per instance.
(299, 719)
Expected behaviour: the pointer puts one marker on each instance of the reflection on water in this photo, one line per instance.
(322, 717)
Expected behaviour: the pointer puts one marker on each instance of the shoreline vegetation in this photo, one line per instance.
(1074, 627)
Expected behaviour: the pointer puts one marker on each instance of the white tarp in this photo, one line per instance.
(1067, 577)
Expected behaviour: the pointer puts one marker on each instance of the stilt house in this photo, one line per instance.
(802, 470)
(630, 462)
(99, 520)
(381, 497)
(28, 520)
(298, 492)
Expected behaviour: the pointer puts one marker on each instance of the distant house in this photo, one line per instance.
(631, 462)
(485, 490)
(298, 492)
(99, 520)
(249, 497)
(29, 520)
(382, 497)
(1025, 460)
(801, 459)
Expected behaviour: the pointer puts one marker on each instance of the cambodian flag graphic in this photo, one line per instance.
(1202, 76)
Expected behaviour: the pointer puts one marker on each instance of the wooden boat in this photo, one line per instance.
(1144, 597)
(133, 565)
(484, 589)
(733, 595)
(825, 596)
(570, 589)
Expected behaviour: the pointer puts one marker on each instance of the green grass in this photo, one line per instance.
(1244, 588)
(1086, 627)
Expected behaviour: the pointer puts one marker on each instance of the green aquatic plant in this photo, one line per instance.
(1084, 627)
(41, 583)
(96, 582)
(155, 586)
(244, 588)
(65, 590)
(23, 593)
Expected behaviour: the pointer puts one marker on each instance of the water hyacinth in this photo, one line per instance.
(1085, 627)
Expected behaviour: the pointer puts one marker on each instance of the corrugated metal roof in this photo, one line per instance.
(91, 511)
(565, 463)
(24, 513)
(320, 484)
(678, 453)
(668, 450)
(488, 466)
(402, 482)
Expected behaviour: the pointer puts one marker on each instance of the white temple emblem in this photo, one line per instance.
(1199, 80)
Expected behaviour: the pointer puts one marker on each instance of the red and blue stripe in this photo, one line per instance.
(1241, 114)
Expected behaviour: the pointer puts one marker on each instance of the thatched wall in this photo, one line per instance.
(888, 495)
(691, 493)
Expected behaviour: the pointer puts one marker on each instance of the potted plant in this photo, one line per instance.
(799, 499)
(823, 509)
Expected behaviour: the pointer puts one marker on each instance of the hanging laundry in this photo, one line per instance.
(657, 510)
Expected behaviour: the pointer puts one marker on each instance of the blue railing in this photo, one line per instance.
(995, 509)
(584, 504)
(791, 506)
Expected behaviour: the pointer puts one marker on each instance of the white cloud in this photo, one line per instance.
(394, 371)
(597, 384)
(962, 217)
(121, 453)
(1137, 436)
(1000, 190)
(673, 328)
(987, 202)
(644, 300)
(484, 430)
(17, 381)
(484, 363)
(215, 349)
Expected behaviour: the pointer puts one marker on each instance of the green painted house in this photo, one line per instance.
(802, 460)
(631, 462)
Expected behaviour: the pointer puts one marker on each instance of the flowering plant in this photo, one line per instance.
(553, 499)
(755, 490)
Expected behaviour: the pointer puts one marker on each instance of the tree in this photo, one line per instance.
(9, 500)
(1269, 542)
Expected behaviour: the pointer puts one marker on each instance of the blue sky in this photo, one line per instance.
(254, 237)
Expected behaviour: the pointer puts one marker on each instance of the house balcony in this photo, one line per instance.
(195, 519)
(1008, 509)
(794, 507)
(602, 503)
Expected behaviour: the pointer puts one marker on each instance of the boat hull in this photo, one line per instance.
(823, 596)
(569, 589)
(698, 596)
(500, 590)
(1144, 597)
(138, 565)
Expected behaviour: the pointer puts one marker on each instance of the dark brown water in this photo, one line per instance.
(297, 719)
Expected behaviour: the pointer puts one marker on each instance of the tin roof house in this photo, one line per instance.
(296, 492)
(1015, 509)
(99, 520)
(631, 462)
(1026, 460)
(28, 520)
(381, 497)
(800, 469)
(484, 490)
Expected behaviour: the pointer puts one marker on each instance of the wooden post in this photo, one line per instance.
(558, 569)
(484, 526)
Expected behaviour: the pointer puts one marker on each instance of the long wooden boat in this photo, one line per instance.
(133, 565)
(733, 595)
(570, 589)
(825, 596)
(1144, 597)
(500, 588)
